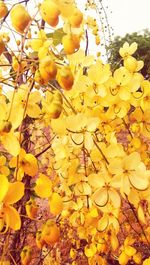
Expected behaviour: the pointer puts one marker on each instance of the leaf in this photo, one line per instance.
(56, 36)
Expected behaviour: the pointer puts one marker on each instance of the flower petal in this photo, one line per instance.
(30, 165)
(15, 192)
(103, 223)
(137, 182)
(11, 143)
(43, 186)
(12, 218)
(4, 185)
(100, 197)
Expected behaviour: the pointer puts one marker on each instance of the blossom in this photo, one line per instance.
(127, 49)
(24, 163)
(10, 193)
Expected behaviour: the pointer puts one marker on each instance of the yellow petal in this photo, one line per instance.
(133, 48)
(90, 251)
(82, 188)
(137, 258)
(15, 192)
(100, 197)
(11, 143)
(43, 186)
(4, 185)
(36, 44)
(130, 251)
(115, 198)
(146, 261)
(33, 110)
(56, 204)
(4, 171)
(114, 242)
(103, 223)
(2, 160)
(114, 221)
(13, 162)
(123, 258)
(96, 180)
(138, 182)
(30, 165)
(12, 218)
(122, 76)
(141, 215)
(132, 161)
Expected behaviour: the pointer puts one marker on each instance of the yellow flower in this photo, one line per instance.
(122, 77)
(7, 136)
(3, 169)
(10, 193)
(37, 43)
(127, 49)
(109, 219)
(99, 74)
(103, 191)
(43, 186)
(132, 64)
(129, 172)
(24, 99)
(55, 203)
(90, 250)
(127, 251)
(146, 261)
(27, 163)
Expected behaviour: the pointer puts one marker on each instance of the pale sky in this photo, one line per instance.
(128, 15)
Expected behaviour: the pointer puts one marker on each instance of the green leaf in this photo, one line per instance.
(56, 35)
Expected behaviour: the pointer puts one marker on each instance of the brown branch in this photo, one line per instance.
(45, 149)
(8, 55)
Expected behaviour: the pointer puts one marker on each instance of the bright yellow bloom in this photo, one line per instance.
(27, 163)
(10, 193)
(43, 187)
(7, 135)
(99, 74)
(129, 172)
(103, 190)
(109, 219)
(24, 99)
(90, 250)
(3, 169)
(146, 261)
(122, 77)
(127, 49)
(55, 203)
(132, 65)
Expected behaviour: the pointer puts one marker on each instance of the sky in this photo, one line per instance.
(128, 15)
